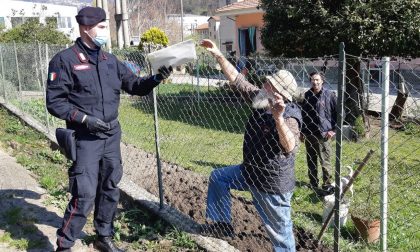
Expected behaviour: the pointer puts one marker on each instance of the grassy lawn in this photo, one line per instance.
(207, 134)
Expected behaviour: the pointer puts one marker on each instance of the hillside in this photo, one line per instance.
(199, 7)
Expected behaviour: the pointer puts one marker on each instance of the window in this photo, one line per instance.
(64, 22)
(2, 21)
(16, 21)
(228, 47)
(68, 22)
(51, 20)
(247, 41)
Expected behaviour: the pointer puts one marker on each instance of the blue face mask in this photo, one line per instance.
(100, 40)
(101, 37)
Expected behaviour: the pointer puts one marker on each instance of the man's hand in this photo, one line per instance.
(211, 47)
(163, 73)
(95, 125)
(277, 105)
(330, 134)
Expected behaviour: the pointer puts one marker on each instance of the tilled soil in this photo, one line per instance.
(187, 192)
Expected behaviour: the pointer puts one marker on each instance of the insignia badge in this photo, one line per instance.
(52, 76)
(82, 57)
(81, 67)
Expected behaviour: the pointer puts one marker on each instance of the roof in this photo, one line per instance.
(202, 26)
(216, 18)
(246, 4)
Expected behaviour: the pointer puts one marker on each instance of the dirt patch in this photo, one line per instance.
(187, 192)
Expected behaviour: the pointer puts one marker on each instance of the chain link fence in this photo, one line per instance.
(195, 123)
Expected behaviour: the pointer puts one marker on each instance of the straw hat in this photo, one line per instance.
(284, 82)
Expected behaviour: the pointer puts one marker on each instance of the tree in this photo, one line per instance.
(313, 28)
(32, 31)
(153, 36)
(144, 15)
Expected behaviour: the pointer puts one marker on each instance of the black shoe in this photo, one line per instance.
(218, 230)
(105, 244)
(63, 249)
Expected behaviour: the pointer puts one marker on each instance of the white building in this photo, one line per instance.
(214, 26)
(190, 21)
(227, 29)
(14, 13)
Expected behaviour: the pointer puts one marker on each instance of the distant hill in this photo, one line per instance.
(199, 7)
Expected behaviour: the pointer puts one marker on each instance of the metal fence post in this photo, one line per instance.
(2, 74)
(43, 83)
(339, 140)
(157, 143)
(384, 152)
(17, 70)
(198, 78)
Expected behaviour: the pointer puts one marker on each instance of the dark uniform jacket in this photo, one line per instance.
(319, 112)
(266, 165)
(78, 85)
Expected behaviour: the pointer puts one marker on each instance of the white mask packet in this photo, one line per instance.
(174, 55)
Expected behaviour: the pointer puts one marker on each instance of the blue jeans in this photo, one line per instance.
(274, 209)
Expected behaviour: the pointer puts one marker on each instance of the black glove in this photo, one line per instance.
(163, 73)
(95, 125)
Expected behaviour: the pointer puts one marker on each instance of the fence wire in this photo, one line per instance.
(201, 125)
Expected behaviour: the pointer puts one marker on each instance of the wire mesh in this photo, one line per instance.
(202, 120)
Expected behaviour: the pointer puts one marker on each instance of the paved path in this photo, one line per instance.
(22, 200)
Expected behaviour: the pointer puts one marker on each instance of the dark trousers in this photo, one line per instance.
(93, 180)
(318, 147)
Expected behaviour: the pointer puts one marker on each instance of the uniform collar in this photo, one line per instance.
(82, 54)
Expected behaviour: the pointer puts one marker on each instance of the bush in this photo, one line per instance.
(154, 36)
(33, 31)
(359, 127)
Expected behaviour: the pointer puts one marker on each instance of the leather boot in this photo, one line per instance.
(106, 244)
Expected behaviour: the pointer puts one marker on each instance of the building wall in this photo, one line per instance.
(14, 12)
(226, 32)
(214, 31)
(203, 33)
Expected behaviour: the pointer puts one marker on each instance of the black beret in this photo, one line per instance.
(90, 16)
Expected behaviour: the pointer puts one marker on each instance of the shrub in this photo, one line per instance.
(154, 36)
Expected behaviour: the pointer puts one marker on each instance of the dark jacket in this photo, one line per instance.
(319, 112)
(78, 85)
(267, 166)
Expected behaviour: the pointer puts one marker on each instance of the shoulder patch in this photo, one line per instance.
(52, 76)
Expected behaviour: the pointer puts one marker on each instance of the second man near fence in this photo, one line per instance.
(319, 122)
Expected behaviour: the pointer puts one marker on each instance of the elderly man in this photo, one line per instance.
(269, 148)
(83, 88)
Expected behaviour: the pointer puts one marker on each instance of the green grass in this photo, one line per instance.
(207, 134)
(22, 244)
(32, 150)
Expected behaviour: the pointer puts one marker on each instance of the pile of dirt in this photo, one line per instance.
(187, 192)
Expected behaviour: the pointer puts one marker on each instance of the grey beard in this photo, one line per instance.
(261, 100)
